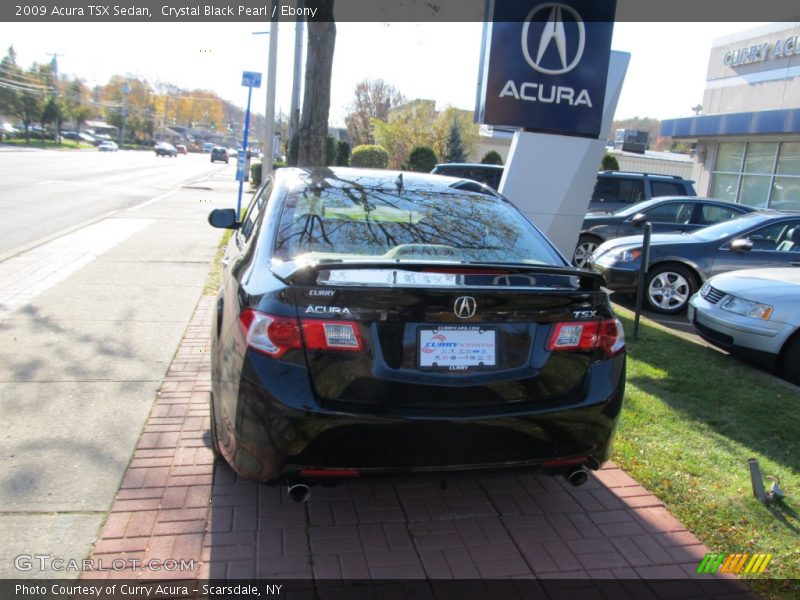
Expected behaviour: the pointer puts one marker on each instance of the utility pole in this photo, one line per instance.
(54, 83)
(269, 115)
(294, 114)
(125, 90)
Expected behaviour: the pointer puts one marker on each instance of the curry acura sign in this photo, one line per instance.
(761, 52)
(544, 65)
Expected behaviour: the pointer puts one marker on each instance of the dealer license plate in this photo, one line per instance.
(456, 348)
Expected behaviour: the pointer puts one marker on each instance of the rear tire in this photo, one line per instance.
(790, 365)
(668, 288)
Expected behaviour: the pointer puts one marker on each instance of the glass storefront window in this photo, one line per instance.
(724, 187)
(786, 193)
(760, 174)
(729, 157)
(755, 190)
(760, 158)
(789, 159)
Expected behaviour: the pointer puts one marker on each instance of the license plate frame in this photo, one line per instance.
(474, 348)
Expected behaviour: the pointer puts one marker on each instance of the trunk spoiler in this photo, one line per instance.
(305, 273)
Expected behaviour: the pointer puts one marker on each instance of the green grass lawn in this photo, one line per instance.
(37, 143)
(692, 418)
(214, 278)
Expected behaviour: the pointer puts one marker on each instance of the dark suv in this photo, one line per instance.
(219, 153)
(614, 189)
(618, 189)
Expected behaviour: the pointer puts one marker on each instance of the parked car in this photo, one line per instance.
(165, 149)
(207, 147)
(681, 263)
(668, 214)
(218, 153)
(9, 130)
(754, 314)
(614, 190)
(39, 132)
(181, 149)
(374, 322)
(233, 153)
(108, 147)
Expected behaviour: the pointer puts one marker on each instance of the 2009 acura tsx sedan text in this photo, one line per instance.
(371, 321)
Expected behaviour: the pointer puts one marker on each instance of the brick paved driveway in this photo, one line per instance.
(174, 502)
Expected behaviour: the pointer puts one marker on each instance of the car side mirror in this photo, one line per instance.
(223, 218)
(638, 219)
(741, 245)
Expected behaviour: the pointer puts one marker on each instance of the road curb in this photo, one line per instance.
(161, 508)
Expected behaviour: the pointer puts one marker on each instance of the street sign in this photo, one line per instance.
(241, 166)
(251, 79)
(545, 65)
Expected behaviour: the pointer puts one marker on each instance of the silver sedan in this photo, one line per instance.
(755, 314)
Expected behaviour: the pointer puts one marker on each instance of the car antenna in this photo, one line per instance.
(399, 183)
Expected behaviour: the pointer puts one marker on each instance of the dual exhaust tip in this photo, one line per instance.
(299, 491)
(576, 476)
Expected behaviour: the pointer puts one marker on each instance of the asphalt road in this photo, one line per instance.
(46, 192)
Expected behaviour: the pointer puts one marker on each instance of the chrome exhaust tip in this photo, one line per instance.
(299, 491)
(577, 476)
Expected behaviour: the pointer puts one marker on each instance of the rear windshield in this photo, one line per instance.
(450, 226)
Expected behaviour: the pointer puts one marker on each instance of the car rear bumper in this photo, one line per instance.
(278, 429)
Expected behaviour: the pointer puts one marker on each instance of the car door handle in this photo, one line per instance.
(225, 260)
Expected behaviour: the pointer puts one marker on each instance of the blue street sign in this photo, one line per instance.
(545, 64)
(241, 159)
(251, 79)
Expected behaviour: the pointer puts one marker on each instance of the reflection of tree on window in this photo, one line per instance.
(370, 222)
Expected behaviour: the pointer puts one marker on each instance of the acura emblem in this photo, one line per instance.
(465, 307)
(553, 33)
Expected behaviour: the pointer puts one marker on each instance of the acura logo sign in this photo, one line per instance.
(553, 34)
(465, 307)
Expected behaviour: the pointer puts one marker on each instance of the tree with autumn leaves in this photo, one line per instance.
(34, 95)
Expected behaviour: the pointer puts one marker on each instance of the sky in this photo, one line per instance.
(437, 61)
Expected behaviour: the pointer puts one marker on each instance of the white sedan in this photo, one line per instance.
(755, 314)
(108, 147)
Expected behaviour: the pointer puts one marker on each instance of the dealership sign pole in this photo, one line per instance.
(250, 79)
(547, 71)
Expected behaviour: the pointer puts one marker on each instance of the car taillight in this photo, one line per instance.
(270, 334)
(331, 335)
(606, 335)
(275, 335)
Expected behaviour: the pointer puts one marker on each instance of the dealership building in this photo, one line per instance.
(748, 135)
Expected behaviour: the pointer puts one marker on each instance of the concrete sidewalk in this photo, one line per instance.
(89, 324)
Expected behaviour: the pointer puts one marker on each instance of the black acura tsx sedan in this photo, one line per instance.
(373, 321)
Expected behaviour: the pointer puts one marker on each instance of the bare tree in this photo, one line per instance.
(317, 94)
(373, 99)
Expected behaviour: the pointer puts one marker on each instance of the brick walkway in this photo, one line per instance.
(174, 503)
